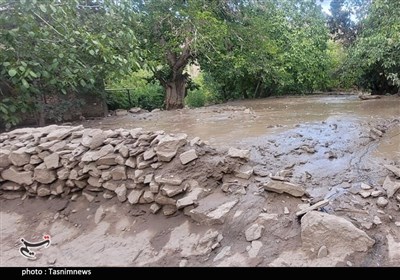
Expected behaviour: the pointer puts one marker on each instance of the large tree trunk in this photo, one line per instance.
(175, 85)
(175, 92)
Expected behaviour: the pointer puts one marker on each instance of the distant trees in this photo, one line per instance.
(245, 48)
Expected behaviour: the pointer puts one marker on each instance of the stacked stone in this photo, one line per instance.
(127, 163)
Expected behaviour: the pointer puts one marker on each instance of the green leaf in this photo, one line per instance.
(83, 83)
(63, 91)
(53, 8)
(25, 83)
(21, 68)
(91, 52)
(33, 74)
(5, 64)
(72, 40)
(12, 72)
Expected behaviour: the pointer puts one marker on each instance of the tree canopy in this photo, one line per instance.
(244, 48)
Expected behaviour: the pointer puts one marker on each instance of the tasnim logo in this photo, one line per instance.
(29, 254)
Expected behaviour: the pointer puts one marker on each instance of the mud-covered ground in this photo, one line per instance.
(324, 143)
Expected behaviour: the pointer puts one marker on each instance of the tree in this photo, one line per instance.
(173, 33)
(270, 47)
(56, 48)
(341, 26)
(374, 59)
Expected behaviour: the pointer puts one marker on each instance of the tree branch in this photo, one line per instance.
(52, 27)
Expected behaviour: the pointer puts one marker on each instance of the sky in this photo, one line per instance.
(325, 6)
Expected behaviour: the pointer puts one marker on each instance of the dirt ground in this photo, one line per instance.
(322, 142)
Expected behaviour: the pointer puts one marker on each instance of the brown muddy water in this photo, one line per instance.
(230, 123)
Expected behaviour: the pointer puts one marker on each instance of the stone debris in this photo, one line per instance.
(188, 156)
(254, 232)
(99, 215)
(244, 172)
(136, 166)
(382, 202)
(365, 193)
(336, 233)
(376, 193)
(365, 186)
(390, 186)
(226, 251)
(285, 187)
(237, 153)
(377, 220)
(254, 248)
(322, 252)
(212, 209)
(394, 169)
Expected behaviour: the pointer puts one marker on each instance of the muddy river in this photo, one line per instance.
(248, 121)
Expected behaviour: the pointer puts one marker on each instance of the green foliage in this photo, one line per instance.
(58, 49)
(271, 47)
(10, 110)
(196, 98)
(374, 59)
(61, 110)
(142, 93)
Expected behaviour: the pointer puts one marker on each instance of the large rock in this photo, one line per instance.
(94, 182)
(19, 157)
(164, 200)
(171, 190)
(121, 192)
(57, 187)
(254, 232)
(63, 173)
(188, 156)
(58, 146)
(393, 250)
(390, 187)
(95, 155)
(169, 180)
(244, 172)
(110, 185)
(168, 146)
(118, 173)
(11, 186)
(107, 159)
(134, 196)
(4, 161)
(382, 202)
(149, 154)
(93, 138)
(394, 169)
(190, 198)
(19, 177)
(338, 234)
(52, 161)
(43, 190)
(212, 209)
(285, 187)
(236, 153)
(148, 196)
(62, 132)
(44, 175)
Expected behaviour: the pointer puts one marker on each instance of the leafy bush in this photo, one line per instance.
(204, 93)
(142, 93)
(196, 98)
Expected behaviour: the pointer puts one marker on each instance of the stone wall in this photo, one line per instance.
(166, 171)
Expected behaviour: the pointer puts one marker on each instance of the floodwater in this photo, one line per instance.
(230, 123)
